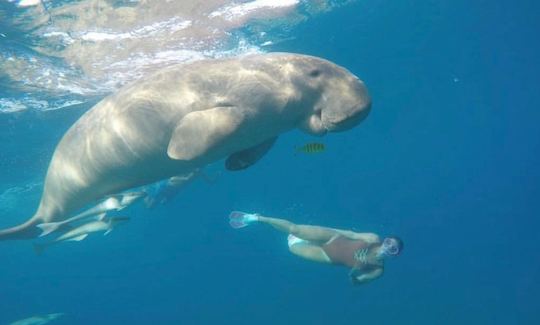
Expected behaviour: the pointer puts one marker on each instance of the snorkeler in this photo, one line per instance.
(363, 253)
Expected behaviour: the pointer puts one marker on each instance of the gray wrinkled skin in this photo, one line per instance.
(186, 116)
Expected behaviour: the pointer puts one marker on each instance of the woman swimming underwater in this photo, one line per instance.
(363, 253)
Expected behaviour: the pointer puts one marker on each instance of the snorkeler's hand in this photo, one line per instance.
(360, 278)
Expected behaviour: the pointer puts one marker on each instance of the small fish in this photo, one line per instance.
(114, 202)
(81, 232)
(314, 147)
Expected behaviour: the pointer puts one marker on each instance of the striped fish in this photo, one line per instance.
(314, 147)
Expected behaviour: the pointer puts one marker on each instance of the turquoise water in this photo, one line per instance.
(447, 160)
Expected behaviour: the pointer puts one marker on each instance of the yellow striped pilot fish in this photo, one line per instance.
(314, 147)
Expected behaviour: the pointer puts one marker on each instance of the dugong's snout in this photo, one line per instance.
(345, 104)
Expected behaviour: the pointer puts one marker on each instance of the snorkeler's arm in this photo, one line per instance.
(360, 278)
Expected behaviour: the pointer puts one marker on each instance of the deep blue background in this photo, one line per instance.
(448, 160)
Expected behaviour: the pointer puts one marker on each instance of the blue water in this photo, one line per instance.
(448, 160)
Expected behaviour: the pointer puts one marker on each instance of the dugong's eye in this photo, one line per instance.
(315, 73)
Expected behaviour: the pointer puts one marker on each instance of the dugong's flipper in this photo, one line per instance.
(246, 158)
(201, 131)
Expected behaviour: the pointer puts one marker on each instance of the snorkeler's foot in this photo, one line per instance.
(238, 219)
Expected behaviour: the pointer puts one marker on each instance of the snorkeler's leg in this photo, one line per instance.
(318, 234)
(306, 232)
(307, 250)
(280, 224)
(367, 237)
(315, 233)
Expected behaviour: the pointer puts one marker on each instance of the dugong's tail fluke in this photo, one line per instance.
(27, 230)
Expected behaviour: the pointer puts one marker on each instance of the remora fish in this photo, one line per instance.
(115, 202)
(81, 232)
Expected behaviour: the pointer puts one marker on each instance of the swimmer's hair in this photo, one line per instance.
(399, 242)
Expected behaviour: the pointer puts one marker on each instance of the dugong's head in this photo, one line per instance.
(338, 99)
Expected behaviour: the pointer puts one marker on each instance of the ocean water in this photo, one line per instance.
(448, 160)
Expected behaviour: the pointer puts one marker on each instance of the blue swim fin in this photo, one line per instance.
(238, 219)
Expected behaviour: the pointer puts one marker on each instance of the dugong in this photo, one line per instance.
(186, 116)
